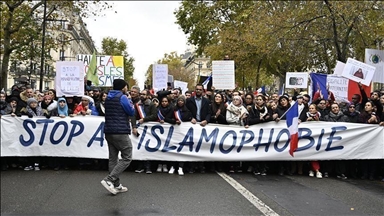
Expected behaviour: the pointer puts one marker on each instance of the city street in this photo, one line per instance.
(79, 192)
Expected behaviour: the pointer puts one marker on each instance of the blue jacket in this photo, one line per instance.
(118, 108)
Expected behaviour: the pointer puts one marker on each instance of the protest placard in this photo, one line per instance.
(296, 80)
(69, 80)
(159, 76)
(223, 74)
(358, 71)
(109, 68)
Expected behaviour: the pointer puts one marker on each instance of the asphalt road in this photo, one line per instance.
(79, 192)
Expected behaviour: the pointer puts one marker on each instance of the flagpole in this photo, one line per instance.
(287, 110)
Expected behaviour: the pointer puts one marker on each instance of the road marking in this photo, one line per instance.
(266, 210)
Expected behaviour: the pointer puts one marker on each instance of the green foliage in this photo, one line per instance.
(274, 37)
(21, 27)
(111, 46)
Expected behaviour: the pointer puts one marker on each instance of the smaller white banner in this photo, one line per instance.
(69, 80)
(223, 74)
(296, 80)
(109, 68)
(358, 71)
(159, 76)
(339, 68)
(181, 84)
(339, 87)
(375, 58)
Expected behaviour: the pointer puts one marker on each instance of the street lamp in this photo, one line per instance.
(62, 40)
(190, 60)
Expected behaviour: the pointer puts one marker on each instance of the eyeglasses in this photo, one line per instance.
(352, 107)
(305, 100)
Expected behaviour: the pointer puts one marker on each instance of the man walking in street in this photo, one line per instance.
(118, 107)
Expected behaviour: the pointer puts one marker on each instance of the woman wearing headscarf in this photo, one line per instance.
(236, 114)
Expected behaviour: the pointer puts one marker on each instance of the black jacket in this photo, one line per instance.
(205, 112)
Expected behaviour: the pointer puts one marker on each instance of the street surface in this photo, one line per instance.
(79, 192)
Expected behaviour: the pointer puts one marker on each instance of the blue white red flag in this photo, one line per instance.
(260, 90)
(205, 83)
(178, 116)
(140, 110)
(293, 127)
(160, 115)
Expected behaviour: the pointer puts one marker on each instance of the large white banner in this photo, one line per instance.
(109, 68)
(83, 137)
(376, 58)
(223, 74)
(69, 80)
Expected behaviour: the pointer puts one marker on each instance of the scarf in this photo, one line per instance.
(237, 110)
(262, 110)
(35, 112)
(62, 111)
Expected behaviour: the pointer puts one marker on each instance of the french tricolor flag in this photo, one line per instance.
(260, 90)
(293, 127)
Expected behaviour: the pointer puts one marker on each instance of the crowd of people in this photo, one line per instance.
(200, 106)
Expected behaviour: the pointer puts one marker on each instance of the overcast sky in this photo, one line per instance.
(148, 27)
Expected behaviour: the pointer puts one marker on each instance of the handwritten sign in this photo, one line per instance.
(160, 76)
(69, 80)
(109, 68)
(223, 74)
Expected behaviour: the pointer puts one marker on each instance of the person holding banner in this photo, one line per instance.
(218, 110)
(368, 116)
(145, 111)
(118, 107)
(258, 113)
(182, 114)
(201, 112)
(335, 115)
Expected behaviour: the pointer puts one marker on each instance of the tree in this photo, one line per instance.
(175, 68)
(21, 24)
(111, 46)
(275, 37)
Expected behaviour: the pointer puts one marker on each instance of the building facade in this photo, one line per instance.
(70, 37)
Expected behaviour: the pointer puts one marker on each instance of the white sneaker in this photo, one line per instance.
(311, 173)
(180, 171)
(121, 189)
(172, 170)
(28, 168)
(109, 186)
(165, 169)
(159, 168)
(37, 168)
(319, 175)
